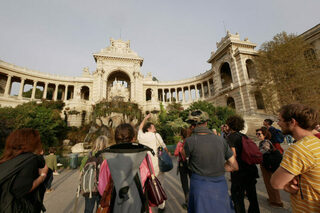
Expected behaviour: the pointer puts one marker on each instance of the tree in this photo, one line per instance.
(287, 73)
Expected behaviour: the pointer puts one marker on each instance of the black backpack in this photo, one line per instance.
(8, 172)
(271, 160)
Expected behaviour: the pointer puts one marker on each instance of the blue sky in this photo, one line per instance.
(175, 37)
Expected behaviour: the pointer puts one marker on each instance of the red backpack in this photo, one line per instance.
(250, 151)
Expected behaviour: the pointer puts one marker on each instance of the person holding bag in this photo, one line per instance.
(147, 136)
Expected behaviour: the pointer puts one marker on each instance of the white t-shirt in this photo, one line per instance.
(152, 140)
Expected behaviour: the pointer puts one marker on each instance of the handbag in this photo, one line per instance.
(155, 193)
(165, 161)
(105, 202)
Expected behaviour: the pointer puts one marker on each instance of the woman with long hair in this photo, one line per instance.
(99, 144)
(266, 146)
(22, 173)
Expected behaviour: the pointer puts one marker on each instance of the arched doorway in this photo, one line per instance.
(231, 103)
(225, 73)
(118, 86)
(251, 70)
(259, 100)
(85, 93)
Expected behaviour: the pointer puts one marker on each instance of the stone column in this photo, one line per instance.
(183, 96)
(202, 90)
(131, 91)
(196, 91)
(8, 85)
(189, 97)
(65, 93)
(34, 89)
(209, 90)
(163, 100)
(45, 90)
(21, 88)
(55, 96)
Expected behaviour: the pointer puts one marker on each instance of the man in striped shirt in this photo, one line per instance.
(299, 171)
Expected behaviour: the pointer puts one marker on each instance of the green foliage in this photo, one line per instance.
(44, 117)
(105, 108)
(288, 72)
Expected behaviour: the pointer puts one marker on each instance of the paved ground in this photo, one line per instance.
(62, 199)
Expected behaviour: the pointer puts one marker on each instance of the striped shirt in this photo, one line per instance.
(303, 158)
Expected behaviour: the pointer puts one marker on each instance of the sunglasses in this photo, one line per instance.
(258, 134)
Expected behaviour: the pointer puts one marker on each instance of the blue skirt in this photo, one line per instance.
(209, 194)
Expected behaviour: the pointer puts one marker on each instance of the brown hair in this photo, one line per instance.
(124, 133)
(265, 132)
(306, 117)
(235, 123)
(184, 133)
(21, 141)
(147, 126)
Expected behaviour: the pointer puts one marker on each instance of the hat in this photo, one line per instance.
(198, 117)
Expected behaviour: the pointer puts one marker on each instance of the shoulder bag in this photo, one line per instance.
(155, 193)
(165, 161)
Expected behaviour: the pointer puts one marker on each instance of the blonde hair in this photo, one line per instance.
(100, 143)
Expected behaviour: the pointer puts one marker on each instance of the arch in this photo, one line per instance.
(85, 93)
(148, 94)
(225, 74)
(119, 86)
(251, 69)
(259, 100)
(231, 103)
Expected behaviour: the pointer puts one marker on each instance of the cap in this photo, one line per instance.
(198, 117)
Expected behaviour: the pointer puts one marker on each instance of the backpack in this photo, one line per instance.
(276, 135)
(272, 160)
(90, 176)
(250, 152)
(124, 193)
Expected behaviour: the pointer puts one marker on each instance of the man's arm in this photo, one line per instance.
(283, 179)
(143, 121)
(231, 164)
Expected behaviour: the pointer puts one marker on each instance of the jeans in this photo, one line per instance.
(238, 191)
(90, 203)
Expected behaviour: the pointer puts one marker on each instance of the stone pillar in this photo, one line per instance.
(65, 93)
(131, 91)
(196, 91)
(55, 94)
(209, 90)
(202, 90)
(163, 100)
(189, 98)
(8, 85)
(21, 88)
(45, 90)
(183, 96)
(34, 89)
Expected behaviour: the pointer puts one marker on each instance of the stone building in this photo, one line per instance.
(229, 82)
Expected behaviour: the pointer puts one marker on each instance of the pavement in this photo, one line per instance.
(62, 199)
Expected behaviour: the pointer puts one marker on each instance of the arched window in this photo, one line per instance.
(251, 70)
(231, 103)
(225, 73)
(85, 92)
(148, 94)
(259, 100)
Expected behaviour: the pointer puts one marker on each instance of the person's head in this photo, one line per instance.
(21, 141)
(263, 133)
(52, 150)
(235, 123)
(100, 143)
(198, 117)
(149, 127)
(124, 133)
(267, 122)
(295, 116)
(184, 133)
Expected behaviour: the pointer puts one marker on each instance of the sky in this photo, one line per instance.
(175, 37)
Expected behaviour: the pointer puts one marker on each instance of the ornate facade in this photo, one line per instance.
(229, 82)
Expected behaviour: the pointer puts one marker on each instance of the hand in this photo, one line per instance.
(44, 170)
(292, 187)
(148, 116)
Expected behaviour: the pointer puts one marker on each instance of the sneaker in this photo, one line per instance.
(184, 206)
(161, 210)
(56, 173)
